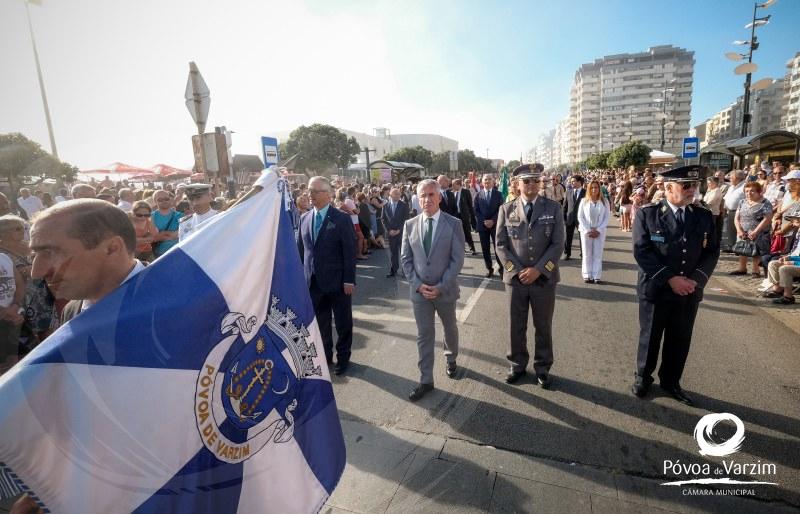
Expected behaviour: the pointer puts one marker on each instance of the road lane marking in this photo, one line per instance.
(473, 299)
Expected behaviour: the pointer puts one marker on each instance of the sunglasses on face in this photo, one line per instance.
(142, 214)
(530, 181)
(688, 185)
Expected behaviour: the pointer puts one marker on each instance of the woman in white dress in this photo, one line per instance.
(593, 216)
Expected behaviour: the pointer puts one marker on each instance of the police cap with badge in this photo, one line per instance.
(529, 171)
(685, 174)
(195, 190)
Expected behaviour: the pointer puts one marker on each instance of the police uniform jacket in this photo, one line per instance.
(538, 244)
(662, 252)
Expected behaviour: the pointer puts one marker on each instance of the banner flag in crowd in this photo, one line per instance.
(504, 183)
(198, 385)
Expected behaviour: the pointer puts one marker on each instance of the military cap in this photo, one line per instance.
(692, 173)
(197, 189)
(528, 171)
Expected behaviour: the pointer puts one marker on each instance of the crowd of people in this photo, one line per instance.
(756, 213)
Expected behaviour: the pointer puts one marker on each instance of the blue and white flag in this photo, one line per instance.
(198, 385)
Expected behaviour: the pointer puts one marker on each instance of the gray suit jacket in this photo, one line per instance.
(538, 244)
(442, 266)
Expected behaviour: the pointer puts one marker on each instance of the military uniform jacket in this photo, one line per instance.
(189, 224)
(662, 252)
(539, 244)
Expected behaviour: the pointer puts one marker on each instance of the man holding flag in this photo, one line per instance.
(214, 399)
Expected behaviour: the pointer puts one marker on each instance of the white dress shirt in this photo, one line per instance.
(435, 218)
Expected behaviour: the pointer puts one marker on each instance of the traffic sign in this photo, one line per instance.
(690, 147)
(269, 150)
(198, 97)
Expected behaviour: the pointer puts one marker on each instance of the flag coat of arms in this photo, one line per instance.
(198, 385)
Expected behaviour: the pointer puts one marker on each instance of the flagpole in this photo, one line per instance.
(41, 85)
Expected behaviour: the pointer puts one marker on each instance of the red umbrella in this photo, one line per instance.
(166, 171)
(117, 168)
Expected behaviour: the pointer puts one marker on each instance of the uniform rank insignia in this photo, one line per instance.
(705, 239)
(549, 266)
(664, 208)
(509, 266)
(656, 238)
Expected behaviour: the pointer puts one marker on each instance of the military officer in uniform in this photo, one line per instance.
(676, 250)
(530, 239)
(199, 196)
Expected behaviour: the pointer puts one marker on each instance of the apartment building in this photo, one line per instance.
(790, 118)
(626, 97)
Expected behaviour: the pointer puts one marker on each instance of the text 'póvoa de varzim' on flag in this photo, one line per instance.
(198, 385)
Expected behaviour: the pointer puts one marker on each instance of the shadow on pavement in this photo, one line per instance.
(600, 445)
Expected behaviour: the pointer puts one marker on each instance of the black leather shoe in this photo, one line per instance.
(514, 376)
(639, 389)
(473, 252)
(420, 391)
(596, 281)
(567, 257)
(544, 380)
(489, 273)
(390, 275)
(677, 393)
(340, 368)
(451, 369)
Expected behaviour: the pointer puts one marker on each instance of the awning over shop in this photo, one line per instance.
(770, 142)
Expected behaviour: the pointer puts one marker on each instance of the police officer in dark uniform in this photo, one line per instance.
(530, 239)
(676, 250)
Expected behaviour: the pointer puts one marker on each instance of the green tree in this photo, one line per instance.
(440, 163)
(512, 165)
(632, 153)
(321, 147)
(417, 155)
(597, 160)
(24, 161)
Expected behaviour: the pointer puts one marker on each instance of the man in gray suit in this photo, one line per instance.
(530, 239)
(432, 256)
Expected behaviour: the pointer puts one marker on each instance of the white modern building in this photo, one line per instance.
(383, 142)
(628, 97)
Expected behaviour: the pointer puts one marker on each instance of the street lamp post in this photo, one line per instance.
(53, 149)
(749, 67)
(663, 116)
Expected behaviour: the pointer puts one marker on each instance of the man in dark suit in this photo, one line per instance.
(448, 201)
(675, 246)
(465, 211)
(328, 247)
(572, 203)
(487, 205)
(395, 214)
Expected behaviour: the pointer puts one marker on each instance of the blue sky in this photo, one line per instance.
(489, 74)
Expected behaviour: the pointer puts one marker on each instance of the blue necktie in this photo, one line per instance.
(317, 224)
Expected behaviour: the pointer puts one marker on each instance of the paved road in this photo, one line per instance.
(587, 445)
